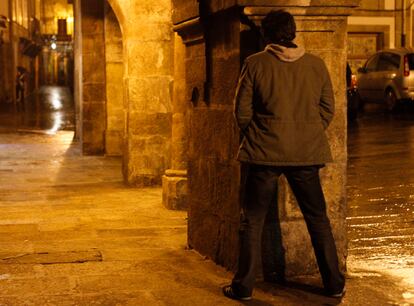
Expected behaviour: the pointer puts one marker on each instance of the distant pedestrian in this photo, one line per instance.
(20, 88)
(283, 104)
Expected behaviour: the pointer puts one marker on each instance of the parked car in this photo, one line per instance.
(387, 77)
(352, 95)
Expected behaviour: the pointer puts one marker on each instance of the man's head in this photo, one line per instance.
(279, 26)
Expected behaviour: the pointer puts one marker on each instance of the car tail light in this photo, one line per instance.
(354, 83)
(406, 66)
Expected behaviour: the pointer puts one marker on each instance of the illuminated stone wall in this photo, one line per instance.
(174, 182)
(148, 43)
(216, 44)
(148, 51)
(115, 126)
(51, 11)
(93, 77)
(11, 52)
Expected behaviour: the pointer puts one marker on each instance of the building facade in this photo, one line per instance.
(377, 25)
(57, 24)
(32, 42)
(18, 46)
(154, 83)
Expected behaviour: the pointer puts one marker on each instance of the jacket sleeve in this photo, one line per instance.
(327, 100)
(243, 101)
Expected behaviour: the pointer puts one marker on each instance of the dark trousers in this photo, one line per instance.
(20, 98)
(259, 199)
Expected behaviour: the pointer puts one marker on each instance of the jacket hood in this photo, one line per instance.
(286, 54)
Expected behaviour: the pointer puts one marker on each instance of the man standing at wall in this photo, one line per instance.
(284, 102)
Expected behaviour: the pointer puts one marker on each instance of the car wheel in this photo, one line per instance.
(390, 100)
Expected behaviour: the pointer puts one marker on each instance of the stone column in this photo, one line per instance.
(229, 34)
(148, 83)
(93, 114)
(174, 182)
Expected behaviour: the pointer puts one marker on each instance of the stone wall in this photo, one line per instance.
(93, 77)
(147, 82)
(213, 141)
(115, 121)
(216, 46)
(174, 182)
(6, 73)
(148, 51)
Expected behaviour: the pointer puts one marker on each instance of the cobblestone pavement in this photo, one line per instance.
(71, 233)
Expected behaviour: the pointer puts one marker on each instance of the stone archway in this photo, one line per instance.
(148, 44)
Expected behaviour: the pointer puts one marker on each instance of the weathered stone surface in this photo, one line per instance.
(150, 94)
(114, 72)
(179, 142)
(114, 142)
(58, 201)
(93, 70)
(149, 58)
(147, 160)
(174, 183)
(157, 31)
(94, 111)
(214, 176)
(128, 49)
(91, 45)
(174, 191)
(93, 92)
(148, 66)
(48, 258)
(184, 10)
(150, 124)
(93, 76)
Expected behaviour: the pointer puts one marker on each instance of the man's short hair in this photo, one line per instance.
(279, 26)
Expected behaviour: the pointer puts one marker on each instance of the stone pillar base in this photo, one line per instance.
(174, 189)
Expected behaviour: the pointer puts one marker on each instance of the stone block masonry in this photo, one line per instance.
(217, 41)
(94, 97)
(128, 52)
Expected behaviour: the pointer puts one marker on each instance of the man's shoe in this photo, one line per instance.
(337, 294)
(228, 292)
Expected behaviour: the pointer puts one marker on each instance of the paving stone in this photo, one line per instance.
(59, 219)
(48, 258)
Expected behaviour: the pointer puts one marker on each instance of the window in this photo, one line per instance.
(20, 12)
(410, 60)
(388, 62)
(371, 64)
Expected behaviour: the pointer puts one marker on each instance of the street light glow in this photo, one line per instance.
(53, 46)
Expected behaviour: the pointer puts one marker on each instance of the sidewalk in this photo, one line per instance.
(71, 233)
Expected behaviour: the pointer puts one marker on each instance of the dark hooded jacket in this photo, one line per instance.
(284, 102)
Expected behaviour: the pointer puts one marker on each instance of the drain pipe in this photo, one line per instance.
(402, 23)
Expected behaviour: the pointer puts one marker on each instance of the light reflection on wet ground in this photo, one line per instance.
(381, 195)
(49, 110)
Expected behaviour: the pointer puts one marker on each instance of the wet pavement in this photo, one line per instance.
(48, 110)
(381, 195)
(71, 233)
